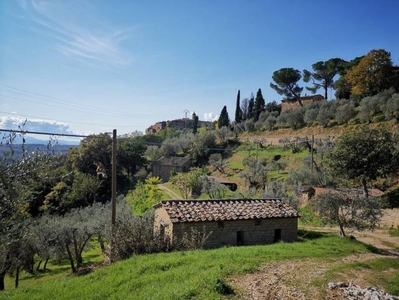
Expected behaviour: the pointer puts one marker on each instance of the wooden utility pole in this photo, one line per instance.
(311, 149)
(113, 196)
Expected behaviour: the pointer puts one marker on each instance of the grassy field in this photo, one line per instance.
(242, 152)
(200, 274)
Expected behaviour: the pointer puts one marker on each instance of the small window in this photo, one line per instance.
(257, 221)
(220, 224)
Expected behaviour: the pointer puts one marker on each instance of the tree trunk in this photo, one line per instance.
(38, 265)
(79, 258)
(326, 93)
(2, 275)
(77, 254)
(70, 258)
(366, 191)
(17, 277)
(341, 230)
(101, 242)
(45, 264)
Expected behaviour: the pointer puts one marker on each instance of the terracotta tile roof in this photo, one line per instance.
(221, 210)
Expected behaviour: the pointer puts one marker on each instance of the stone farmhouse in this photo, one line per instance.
(232, 222)
(178, 124)
(310, 192)
(165, 166)
(306, 100)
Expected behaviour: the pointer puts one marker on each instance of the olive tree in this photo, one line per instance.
(364, 155)
(348, 212)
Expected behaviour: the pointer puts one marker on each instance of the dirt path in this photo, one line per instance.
(171, 193)
(300, 279)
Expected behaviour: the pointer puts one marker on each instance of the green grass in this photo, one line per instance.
(172, 188)
(381, 272)
(277, 175)
(199, 274)
(393, 231)
(308, 218)
(235, 161)
(56, 271)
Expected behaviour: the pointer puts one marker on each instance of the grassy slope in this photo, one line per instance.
(235, 165)
(317, 131)
(181, 275)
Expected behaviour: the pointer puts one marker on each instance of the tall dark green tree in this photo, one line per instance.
(131, 155)
(223, 118)
(286, 84)
(238, 117)
(259, 105)
(323, 75)
(244, 109)
(251, 107)
(195, 122)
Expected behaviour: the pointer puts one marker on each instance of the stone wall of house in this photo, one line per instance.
(253, 231)
(162, 222)
(164, 172)
(305, 102)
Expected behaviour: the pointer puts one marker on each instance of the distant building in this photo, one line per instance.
(310, 192)
(178, 124)
(165, 166)
(306, 100)
(156, 127)
(232, 222)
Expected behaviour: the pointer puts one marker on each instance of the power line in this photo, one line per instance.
(56, 100)
(72, 122)
(42, 133)
(92, 109)
(62, 105)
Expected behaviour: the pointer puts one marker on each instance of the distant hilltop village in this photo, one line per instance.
(178, 124)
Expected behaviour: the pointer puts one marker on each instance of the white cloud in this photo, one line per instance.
(17, 123)
(95, 41)
(210, 117)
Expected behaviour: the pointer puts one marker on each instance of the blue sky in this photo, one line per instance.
(92, 66)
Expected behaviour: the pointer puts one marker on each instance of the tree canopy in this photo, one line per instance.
(259, 105)
(286, 83)
(364, 155)
(224, 118)
(238, 114)
(372, 74)
(323, 75)
(356, 212)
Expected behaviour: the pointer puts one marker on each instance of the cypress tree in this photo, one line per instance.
(195, 122)
(259, 105)
(238, 118)
(224, 118)
(244, 109)
(251, 104)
